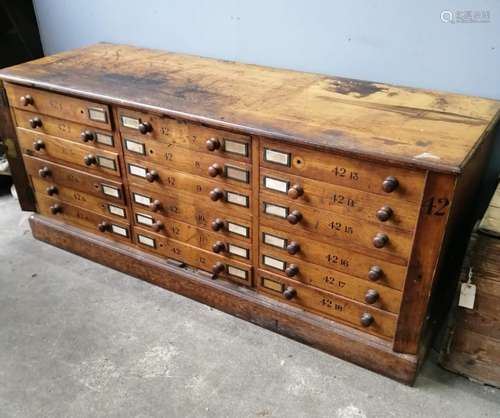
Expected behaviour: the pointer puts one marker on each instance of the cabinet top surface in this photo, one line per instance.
(422, 128)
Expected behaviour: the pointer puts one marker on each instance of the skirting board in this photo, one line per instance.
(320, 333)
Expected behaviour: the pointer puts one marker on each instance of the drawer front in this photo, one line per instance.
(194, 257)
(372, 207)
(336, 258)
(53, 148)
(190, 234)
(333, 306)
(80, 199)
(185, 134)
(53, 104)
(178, 158)
(154, 177)
(74, 179)
(342, 171)
(72, 131)
(364, 291)
(85, 219)
(186, 208)
(324, 225)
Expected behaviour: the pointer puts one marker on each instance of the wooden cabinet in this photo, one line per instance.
(319, 207)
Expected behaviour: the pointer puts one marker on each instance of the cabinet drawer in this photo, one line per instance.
(85, 219)
(53, 148)
(363, 291)
(343, 200)
(74, 179)
(80, 199)
(186, 134)
(324, 225)
(209, 193)
(356, 314)
(65, 107)
(178, 158)
(335, 169)
(333, 257)
(185, 207)
(72, 131)
(194, 257)
(190, 234)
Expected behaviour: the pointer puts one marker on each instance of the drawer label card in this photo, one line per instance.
(274, 240)
(237, 173)
(277, 157)
(237, 250)
(275, 184)
(237, 199)
(236, 147)
(275, 210)
(136, 170)
(273, 262)
(141, 199)
(118, 230)
(238, 229)
(106, 162)
(143, 239)
(237, 272)
(116, 210)
(134, 146)
(104, 139)
(98, 114)
(272, 285)
(110, 191)
(144, 219)
(129, 122)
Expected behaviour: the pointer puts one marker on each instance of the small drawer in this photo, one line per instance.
(351, 202)
(178, 158)
(324, 226)
(333, 257)
(196, 137)
(60, 106)
(53, 148)
(334, 169)
(60, 175)
(216, 265)
(367, 318)
(72, 131)
(85, 219)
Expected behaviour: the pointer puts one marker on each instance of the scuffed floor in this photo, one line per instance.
(80, 340)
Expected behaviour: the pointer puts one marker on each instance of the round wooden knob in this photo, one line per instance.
(216, 194)
(87, 136)
(294, 217)
(44, 172)
(51, 190)
(213, 144)
(155, 205)
(145, 127)
(293, 247)
(289, 293)
(152, 176)
(371, 296)
(157, 226)
(375, 273)
(38, 145)
(384, 213)
(218, 247)
(218, 224)
(380, 240)
(55, 209)
(215, 170)
(26, 100)
(103, 226)
(366, 319)
(218, 268)
(90, 159)
(35, 122)
(292, 270)
(390, 184)
(295, 191)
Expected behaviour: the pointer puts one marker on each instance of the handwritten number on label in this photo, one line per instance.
(436, 206)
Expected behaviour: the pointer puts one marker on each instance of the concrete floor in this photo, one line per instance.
(80, 340)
